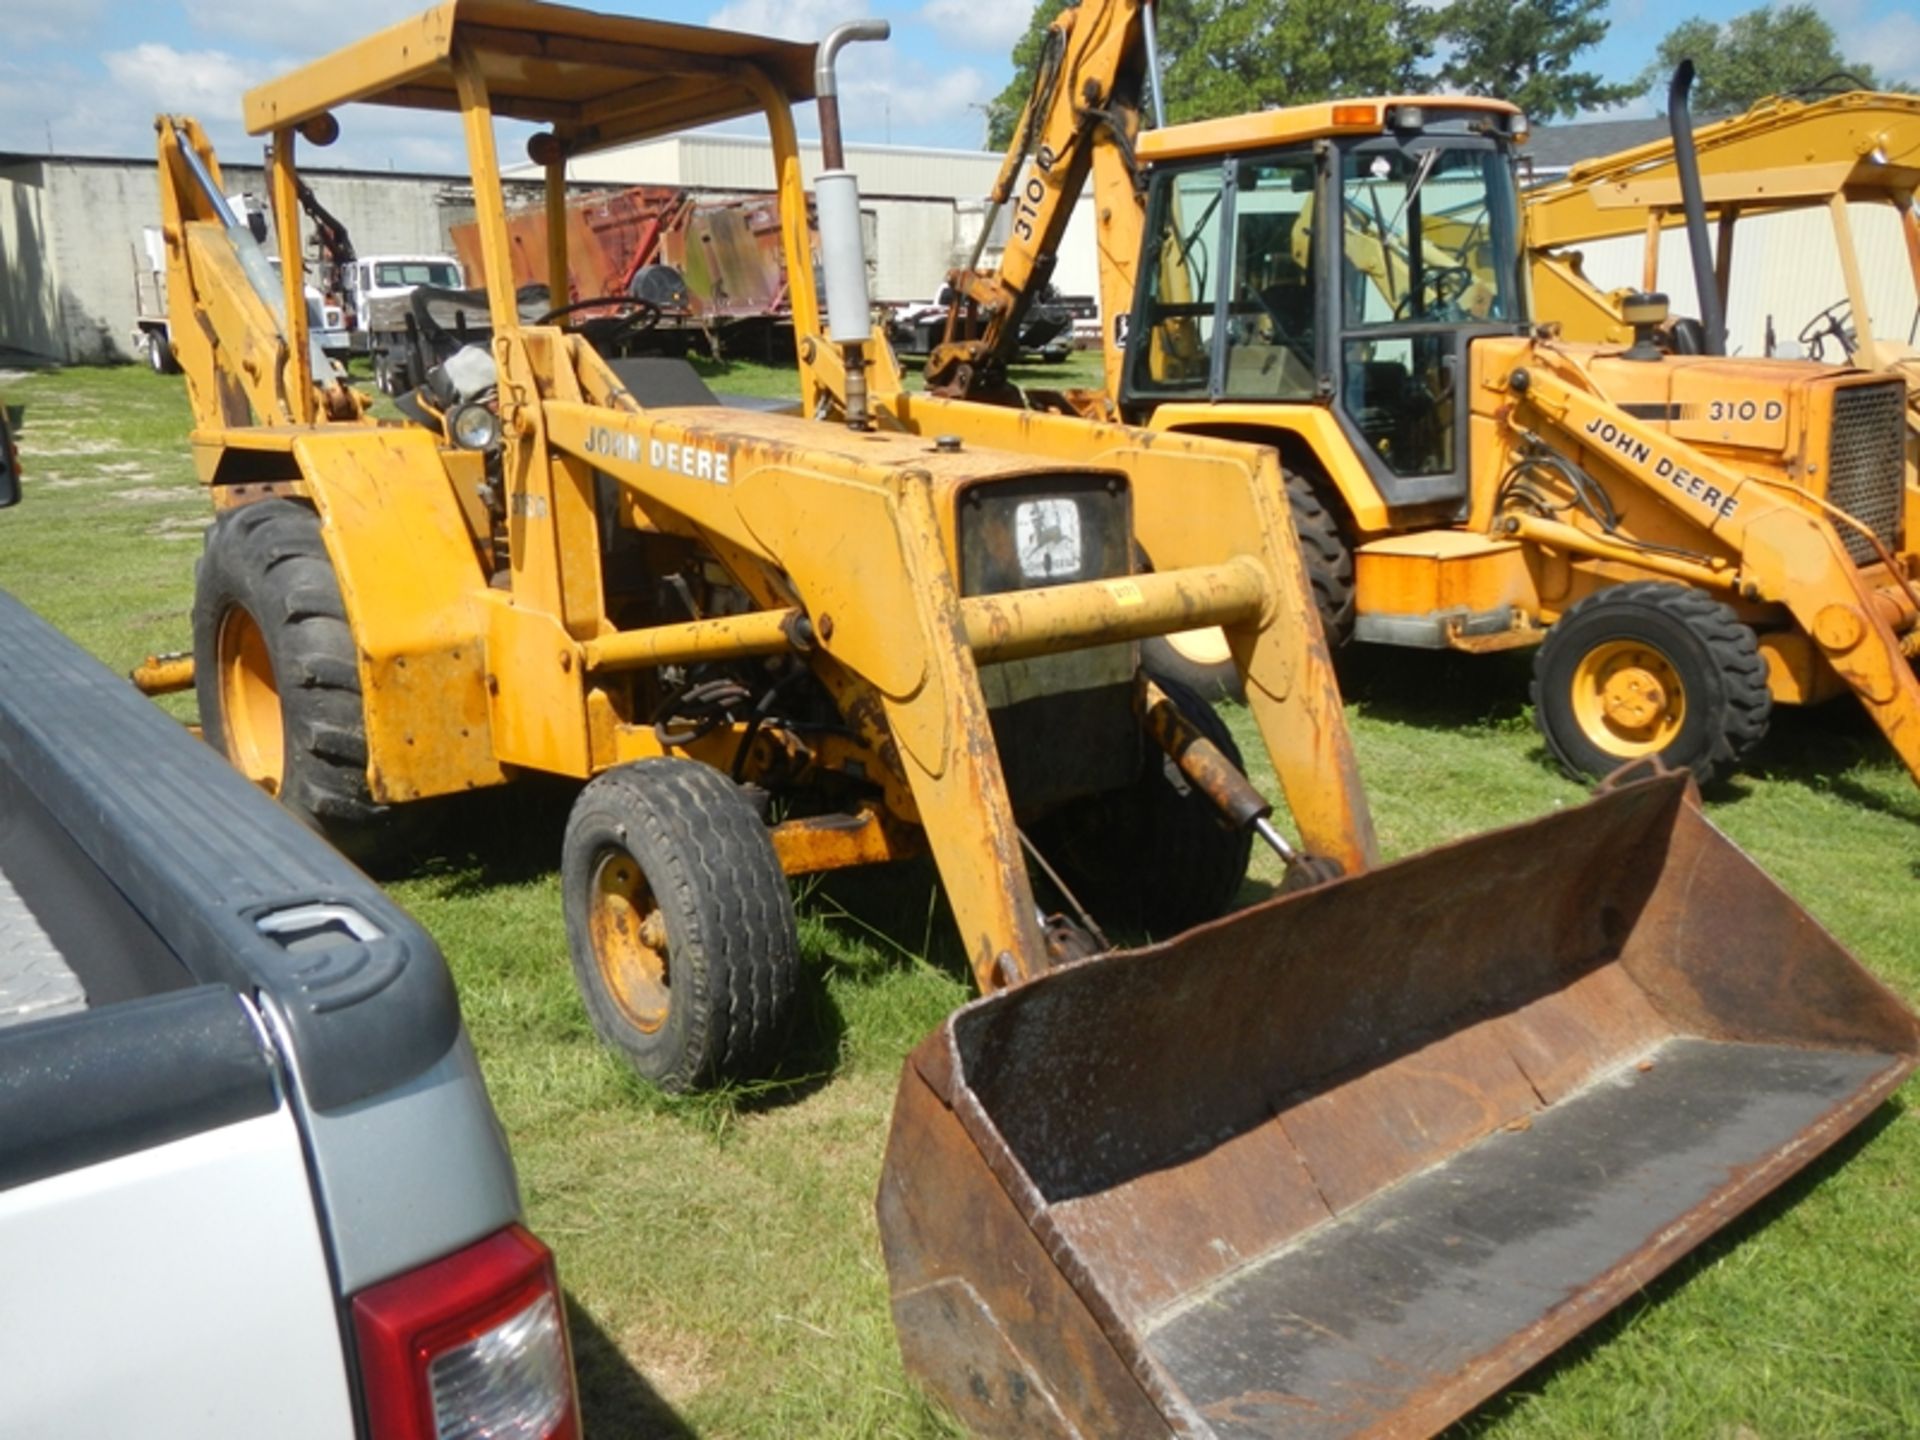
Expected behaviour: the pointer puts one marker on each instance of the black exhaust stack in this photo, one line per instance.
(1680, 120)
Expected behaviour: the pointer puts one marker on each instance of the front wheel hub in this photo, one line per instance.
(250, 702)
(1629, 699)
(629, 936)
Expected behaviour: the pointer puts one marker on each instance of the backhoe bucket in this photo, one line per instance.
(1348, 1162)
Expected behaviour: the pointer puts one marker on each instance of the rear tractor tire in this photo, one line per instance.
(277, 676)
(1651, 670)
(680, 923)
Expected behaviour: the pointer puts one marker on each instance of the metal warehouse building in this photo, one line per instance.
(70, 232)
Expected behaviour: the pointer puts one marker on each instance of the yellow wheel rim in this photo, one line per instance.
(250, 702)
(629, 937)
(1201, 647)
(1628, 699)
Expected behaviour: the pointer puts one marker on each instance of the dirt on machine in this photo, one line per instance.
(771, 645)
(1683, 540)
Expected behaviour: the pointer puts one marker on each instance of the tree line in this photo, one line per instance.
(1226, 57)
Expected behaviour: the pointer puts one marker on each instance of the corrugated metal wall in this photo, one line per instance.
(1786, 267)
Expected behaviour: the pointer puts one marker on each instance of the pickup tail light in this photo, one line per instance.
(471, 1347)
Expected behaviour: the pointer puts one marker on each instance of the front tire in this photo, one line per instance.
(1651, 670)
(160, 354)
(680, 923)
(276, 673)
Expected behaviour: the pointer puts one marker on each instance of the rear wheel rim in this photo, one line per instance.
(629, 937)
(250, 702)
(1628, 699)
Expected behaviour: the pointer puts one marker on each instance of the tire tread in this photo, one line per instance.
(1743, 704)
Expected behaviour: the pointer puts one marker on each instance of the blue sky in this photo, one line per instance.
(87, 76)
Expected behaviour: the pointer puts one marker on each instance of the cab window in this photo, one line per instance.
(1270, 332)
(1186, 250)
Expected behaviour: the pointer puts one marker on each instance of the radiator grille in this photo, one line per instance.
(1864, 468)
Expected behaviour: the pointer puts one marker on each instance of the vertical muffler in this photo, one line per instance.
(1348, 1162)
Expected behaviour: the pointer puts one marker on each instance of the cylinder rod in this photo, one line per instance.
(1023, 623)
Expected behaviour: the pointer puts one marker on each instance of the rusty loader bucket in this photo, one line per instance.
(1348, 1162)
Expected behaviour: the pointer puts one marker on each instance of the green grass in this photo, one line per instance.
(720, 1252)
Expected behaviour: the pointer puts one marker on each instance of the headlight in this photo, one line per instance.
(1044, 530)
(1046, 540)
(474, 427)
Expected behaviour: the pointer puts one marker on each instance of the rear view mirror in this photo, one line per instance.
(9, 463)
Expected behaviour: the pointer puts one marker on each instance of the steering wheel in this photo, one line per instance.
(630, 312)
(1830, 323)
(1436, 280)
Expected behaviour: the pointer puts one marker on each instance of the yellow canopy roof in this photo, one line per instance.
(597, 79)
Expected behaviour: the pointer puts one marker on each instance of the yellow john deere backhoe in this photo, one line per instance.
(1135, 1192)
(1786, 154)
(1688, 540)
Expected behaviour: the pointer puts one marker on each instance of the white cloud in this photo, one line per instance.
(807, 20)
(979, 24)
(27, 25)
(60, 108)
(1887, 38)
(877, 99)
(885, 93)
(109, 110)
(204, 83)
(1890, 43)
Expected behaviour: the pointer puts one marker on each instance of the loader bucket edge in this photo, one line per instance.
(1349, 1161)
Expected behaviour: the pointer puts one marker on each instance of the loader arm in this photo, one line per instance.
(1080, 121)
(1787, 554)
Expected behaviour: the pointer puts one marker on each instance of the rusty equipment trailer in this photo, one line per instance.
(771, 645)
(714, 263)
